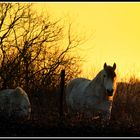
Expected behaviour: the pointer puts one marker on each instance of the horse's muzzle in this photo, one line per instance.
(110, 92)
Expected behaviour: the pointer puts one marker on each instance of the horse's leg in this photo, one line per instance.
(71, 115)
(105, 118)
(105, 108)
(79, 116)
(90, 119)
(86, 116)
(69, 112)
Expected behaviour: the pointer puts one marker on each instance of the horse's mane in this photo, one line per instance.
(96, 79)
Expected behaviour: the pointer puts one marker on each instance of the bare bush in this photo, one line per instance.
(126, 104)
(32, 50)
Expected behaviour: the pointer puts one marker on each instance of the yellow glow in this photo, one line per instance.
(117, 32)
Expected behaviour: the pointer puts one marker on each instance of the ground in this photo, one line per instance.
(32, 129)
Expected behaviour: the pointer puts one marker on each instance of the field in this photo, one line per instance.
(34, 50)
(45, 120)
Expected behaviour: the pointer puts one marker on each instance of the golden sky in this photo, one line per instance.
(116, 27)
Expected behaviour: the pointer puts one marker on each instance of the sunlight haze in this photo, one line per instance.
(116, 29)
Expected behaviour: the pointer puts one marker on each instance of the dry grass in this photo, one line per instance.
(125, 111)
(45, 121)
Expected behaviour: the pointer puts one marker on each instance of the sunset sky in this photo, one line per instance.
(116, 28)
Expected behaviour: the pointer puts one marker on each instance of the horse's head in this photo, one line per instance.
(109, 77)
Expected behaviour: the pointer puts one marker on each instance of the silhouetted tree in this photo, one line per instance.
(32, 48)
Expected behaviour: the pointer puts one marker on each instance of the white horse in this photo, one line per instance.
(89, 96)
(14, 104)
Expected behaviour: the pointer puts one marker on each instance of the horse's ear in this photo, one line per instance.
(114, 66)
(105, 65)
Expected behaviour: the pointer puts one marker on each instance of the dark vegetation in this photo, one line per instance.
(32, 55)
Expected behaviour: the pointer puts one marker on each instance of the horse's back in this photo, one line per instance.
(77, 83)
(21, 94)
(5, 97)
(17, 95)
